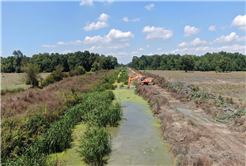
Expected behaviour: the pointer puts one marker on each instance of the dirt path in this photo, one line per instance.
(195, 136)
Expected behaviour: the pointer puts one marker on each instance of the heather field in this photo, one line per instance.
(230, 85)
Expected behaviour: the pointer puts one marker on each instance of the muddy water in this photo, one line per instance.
(137, 141)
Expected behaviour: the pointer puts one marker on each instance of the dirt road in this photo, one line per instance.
(196, 138)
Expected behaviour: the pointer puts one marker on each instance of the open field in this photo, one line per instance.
(228, 85)
(16, 80)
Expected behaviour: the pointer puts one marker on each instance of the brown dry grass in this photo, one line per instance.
(51, 97)
(16, 80)
(231, 86)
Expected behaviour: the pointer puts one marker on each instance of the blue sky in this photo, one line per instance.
(123, 29)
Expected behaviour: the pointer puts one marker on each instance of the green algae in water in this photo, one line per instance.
(138, 139)
(71, 156)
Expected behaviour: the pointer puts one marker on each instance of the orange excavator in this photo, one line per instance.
(144, 80)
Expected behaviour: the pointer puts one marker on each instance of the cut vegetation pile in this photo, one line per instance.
(38, 122)
(196, 137)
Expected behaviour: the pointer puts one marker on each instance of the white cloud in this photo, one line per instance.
(240, 22)
(86, 2)
(149, 54)
(95, 26)
(190, 31)
(140, 49)
(233, 37)
(119, 54)
(157, 33)
(48, 45)
(224, 27)
(159, 49)
(110, 1)
(126, 19)
(147, 46)
(136, 19)
(203, 50)
(77, 42)
(135, 53)
(102, 23)
(66, 51)
(116, 47)
(103, 17)
(149, 6)
(93, 48)
(114, 36)
(195, 42)
(212, 28)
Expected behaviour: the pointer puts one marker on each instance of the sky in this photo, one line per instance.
(123, 28)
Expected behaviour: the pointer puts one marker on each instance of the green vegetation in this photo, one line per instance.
(32, 74)
(55, 76)
(123, 76)
(221, 61)
(59, 62)
(78, 71)
(4, 91)
(94, 145)
(28, 140)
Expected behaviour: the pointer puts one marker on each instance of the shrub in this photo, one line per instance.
(78, 71)
(55, 76)
(94, 145)
(32, 73)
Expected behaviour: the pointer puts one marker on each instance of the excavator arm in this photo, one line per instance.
(133, 78)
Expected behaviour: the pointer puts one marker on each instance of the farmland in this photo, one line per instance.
(230, 85)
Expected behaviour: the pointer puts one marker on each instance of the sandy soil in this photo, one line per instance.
(196, 138)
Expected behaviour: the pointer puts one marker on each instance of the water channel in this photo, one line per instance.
(137, 140)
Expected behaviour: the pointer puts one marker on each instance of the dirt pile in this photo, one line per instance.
(196, 138)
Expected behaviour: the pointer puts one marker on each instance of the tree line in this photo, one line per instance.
(50, 62)
(221, 62)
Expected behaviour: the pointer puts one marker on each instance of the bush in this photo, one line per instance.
(18, 69)
(55, 76)
(32, 73)
(94, 145)
(28, 81)
(78, 71)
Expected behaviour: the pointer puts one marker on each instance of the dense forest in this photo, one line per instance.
(49, 62)
(221, 61)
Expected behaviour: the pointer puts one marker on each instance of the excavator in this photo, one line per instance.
(144, 80)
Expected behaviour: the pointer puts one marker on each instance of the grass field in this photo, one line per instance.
(15, 80)
(228, 85)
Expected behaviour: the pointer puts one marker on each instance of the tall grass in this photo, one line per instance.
(94, 145)
(29, 114)
(123, 77)
(95, 108)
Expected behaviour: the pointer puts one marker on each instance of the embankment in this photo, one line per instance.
(196, 137)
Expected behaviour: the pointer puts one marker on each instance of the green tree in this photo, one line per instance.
(187, 63)
(46, 64)
(59, 68)
(32, 74)
(225, 64)
(95, 66)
